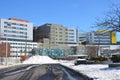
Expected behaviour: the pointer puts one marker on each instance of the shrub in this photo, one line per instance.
(22, 58)
(115, 58)
(99, 58)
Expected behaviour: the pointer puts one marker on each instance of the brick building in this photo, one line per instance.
(3, 50)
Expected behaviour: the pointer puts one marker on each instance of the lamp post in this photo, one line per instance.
(98, 50)
(26, 45)
(6, 52)
(8, 24)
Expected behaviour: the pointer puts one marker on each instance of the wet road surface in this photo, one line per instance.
(41, 72)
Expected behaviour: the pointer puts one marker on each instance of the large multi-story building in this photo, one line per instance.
(102, 37)
(17, 32)
(58, 35)
(54, 32)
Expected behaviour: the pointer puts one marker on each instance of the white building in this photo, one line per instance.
(99, 38)
(19, 33)
(18, 48)
(16, 30)
(72, 35)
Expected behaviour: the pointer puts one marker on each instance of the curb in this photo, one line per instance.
(77, 72)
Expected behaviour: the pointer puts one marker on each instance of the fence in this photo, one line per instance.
(10, 60)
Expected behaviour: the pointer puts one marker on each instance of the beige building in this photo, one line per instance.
(54, 32)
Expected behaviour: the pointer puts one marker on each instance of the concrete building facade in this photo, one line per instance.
(72, 35)
(18, 33)
(54, 32)
(16, 30)
(97, 37)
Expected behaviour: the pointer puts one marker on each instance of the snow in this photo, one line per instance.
(100, 71)
(6, 66)
(2, 66)
(37, 59)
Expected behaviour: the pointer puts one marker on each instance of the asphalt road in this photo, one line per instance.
(40, 72)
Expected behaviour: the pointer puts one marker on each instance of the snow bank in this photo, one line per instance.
(2, 66)
(103, 72)
(6, 66)
(40, 60)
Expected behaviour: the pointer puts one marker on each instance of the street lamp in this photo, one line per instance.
(6, 51)
(26, 44)
(8, 24)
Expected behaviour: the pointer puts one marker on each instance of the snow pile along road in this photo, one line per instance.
(100, 71)
(37, 59)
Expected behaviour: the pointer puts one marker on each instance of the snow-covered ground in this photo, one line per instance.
(6, 66)
(37, 59)
(100, 71)
(2, 66)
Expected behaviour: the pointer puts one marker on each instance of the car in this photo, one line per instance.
(83, 61)
(80, 61)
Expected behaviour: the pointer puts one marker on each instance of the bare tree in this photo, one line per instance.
(91, 51)
(111, 21)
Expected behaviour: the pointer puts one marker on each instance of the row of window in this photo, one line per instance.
(70, 36)
(21, 44)
(17, 28)
(102, 34)
(16, 36)
(22, 40)
(21, 47)
(18, 24)
(71, 33)
(70, 40)
(18, 43)
(101, 37)
(8, 31)
(57, 39)
(71, 30)
(102, 41)
(53, 29)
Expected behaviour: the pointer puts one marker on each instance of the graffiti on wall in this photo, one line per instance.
(54, 53)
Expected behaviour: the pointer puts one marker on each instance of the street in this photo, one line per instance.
(41, 72)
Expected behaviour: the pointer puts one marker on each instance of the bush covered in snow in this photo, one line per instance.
(115, 58)
(99, 58)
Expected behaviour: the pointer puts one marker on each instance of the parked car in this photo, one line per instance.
(80, 61)
(83, 61)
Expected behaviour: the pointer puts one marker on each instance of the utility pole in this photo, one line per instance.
(6, 51)
(26, 44)
(98, 34)
(0, 47)
(8, 24)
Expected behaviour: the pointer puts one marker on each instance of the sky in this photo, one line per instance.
(80, 14)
